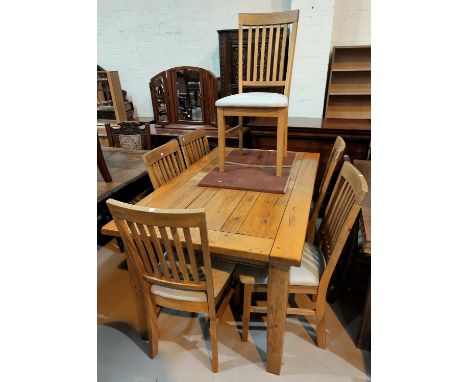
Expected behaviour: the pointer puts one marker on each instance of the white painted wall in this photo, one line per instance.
(311, 59)
(352, 22)
(140, 38)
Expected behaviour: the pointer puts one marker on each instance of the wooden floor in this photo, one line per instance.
(125, 167)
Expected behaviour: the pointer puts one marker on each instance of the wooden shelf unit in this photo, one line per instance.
(349, 83)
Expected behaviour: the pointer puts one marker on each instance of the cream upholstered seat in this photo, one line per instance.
(309, 273)
(318, 261)
(254, 99)
(221, 272)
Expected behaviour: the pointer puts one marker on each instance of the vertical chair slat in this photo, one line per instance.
(255, 69)
(270, 48)
(281, 76)
(275, 58)
(159, 251)
(149, 249)
(137, 240)
(180, 254)
(262, 53)
(191, 252)
(249, 53)
(170, 253)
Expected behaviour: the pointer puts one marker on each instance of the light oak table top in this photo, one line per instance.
(248, 225)
(125, 166)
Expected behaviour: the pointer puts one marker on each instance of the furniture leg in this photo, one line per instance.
(241, 136)
(153, 313)
(221, 139)
(280, 144)
(320, 319)
(214, 345)
(286, 135)
(139, 300)
(278, 284)
(363, 340)
(248, 288)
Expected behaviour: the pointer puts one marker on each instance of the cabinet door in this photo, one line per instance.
(161, 99)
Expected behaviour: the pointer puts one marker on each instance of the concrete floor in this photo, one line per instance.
(184, 344)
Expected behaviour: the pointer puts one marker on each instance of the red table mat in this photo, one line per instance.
(239, 176)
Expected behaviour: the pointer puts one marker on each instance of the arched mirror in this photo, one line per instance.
(184, 95)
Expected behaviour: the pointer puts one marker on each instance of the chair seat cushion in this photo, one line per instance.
(308, 274)
(254, 99)
(221, 271)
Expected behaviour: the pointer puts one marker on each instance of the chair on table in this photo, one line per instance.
(267, 65)
(129, 135)
(319, 260)
(333, 159)
(169, 276)
(194, 145)
(164, 163)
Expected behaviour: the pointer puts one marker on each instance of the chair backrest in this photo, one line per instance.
(333, 159)
(194, 145)
(266, 63)
(340, 215)
(160, 246)
(164, 163)
(129, 135)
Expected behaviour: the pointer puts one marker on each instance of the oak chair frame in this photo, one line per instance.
(153, 245)
(335, 156)
(129, 128)
(164, 163)
(275, 76)
(194, 145)
(340, 215)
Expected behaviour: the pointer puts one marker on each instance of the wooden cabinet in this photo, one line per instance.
(184, 95)
(349, 83)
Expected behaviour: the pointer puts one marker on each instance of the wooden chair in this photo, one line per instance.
(129, 135)
(101, 163)
(194, 145)
(168, 270)
(319, 260)
(164, 163)
(267, 65)
(333, 159)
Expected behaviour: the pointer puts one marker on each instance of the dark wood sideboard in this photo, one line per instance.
(316, 135)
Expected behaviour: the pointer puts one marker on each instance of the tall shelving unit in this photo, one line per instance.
(349, 83)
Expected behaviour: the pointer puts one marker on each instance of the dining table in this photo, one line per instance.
(247, 227)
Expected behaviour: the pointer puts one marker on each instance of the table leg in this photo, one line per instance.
(278, 284)
(138, 300)
(279, 144)
(221, 139)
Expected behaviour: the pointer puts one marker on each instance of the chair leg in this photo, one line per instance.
(221, 139)
(248, 288)
(153, 313)
(285, 153)
(214, 345)
(241, 136)
(280, 144)
(320, 322)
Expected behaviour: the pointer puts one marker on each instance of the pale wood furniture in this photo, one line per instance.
(111, 102)
(319, 260)
(243, 227)
(171, 276)
(129, 135)
(349, 83)
(333, 159)
(184, 95)
(262, 104)
(194, 145)
(164, 163)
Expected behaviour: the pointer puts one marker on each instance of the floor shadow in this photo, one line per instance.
(131, 333)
